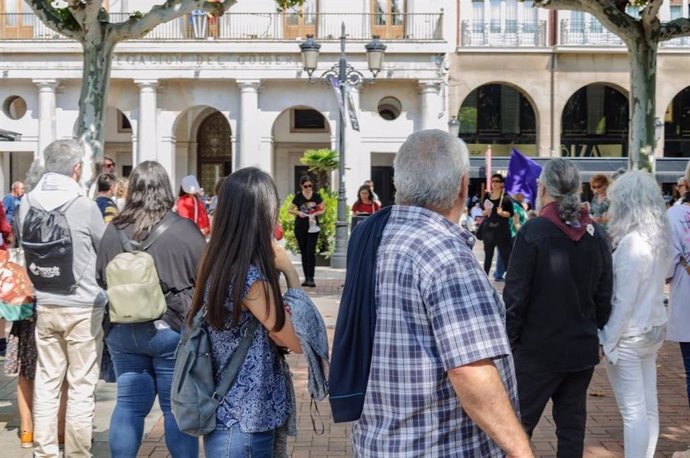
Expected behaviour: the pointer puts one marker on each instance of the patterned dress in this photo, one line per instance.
(258, 399)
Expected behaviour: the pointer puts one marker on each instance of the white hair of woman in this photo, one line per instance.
(637, 205)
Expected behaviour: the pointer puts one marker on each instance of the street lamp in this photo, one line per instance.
(454, 126)
(341, 75)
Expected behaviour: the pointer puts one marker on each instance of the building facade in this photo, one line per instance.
(556, 83)
(207, 96)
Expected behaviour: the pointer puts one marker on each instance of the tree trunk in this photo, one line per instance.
(642, 102)
(93, 101)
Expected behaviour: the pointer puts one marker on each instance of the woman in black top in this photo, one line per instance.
(307, 206)
(498, 209)
(143, 354)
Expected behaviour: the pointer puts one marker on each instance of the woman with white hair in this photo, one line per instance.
(640, 233)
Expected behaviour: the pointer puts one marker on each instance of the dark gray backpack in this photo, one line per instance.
(194, 397)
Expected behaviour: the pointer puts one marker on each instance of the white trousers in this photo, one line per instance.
(633, 379)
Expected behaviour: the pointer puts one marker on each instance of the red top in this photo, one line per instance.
(185, 208)
(5, 229)
(365, 208)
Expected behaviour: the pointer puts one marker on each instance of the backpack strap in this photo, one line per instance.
(235, 363)
(157, 232)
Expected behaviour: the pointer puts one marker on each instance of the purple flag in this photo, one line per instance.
(522, 176)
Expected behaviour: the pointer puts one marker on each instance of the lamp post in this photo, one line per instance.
(341, 75)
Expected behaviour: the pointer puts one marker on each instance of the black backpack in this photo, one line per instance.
(47, 243)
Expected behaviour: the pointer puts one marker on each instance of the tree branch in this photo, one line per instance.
(606, 11)
(137, 27)
(50, 17)
(675, 29)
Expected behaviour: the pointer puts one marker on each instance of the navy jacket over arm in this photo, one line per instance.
(354, 329)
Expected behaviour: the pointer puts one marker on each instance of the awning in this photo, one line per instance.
(668, 169)
(9, 136)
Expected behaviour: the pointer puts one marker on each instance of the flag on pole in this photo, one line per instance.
(522, 176)
(487, 164)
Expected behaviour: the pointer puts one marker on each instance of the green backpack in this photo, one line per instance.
(134, 289)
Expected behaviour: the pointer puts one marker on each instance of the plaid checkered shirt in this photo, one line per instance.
(436, 310)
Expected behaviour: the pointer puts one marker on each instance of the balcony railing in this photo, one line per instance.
(253, 26)
(682, 42)
(503, 34)
(587, 32)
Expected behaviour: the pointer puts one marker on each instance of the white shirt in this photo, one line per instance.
(679, 304)
(637, 305)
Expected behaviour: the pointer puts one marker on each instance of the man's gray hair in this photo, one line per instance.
(561, 179)
(62, 155)
(428, 170)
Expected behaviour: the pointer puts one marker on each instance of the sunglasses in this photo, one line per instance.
(306, 186)
(497, 181)
(595, 187)
(112, 164)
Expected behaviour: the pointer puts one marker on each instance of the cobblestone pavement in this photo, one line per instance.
(604, 427)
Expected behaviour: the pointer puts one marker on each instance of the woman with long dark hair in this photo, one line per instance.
(143, 354)
(365, 204)
(240, 270)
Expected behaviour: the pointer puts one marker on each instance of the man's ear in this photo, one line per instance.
(464, 187)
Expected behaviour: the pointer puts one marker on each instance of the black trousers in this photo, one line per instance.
(567, 391)
(307, 248)
(505, 246)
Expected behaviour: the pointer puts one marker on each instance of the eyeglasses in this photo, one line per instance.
(111, 164)
(306, 186)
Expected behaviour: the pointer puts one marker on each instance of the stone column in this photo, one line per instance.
(147, 125)
(46, 114)
(430, 104)
(167, 158)
(250, 137)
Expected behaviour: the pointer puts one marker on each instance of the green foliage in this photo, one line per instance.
(287, 221)
(67, 19)
(285, 4)
(326, 242)
(321, 163)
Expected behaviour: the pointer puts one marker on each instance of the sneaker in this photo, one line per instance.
(27, 439)
(310, 282)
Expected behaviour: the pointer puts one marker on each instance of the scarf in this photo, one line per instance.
(574, 231)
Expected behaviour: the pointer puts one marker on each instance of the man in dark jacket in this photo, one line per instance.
(557, 294)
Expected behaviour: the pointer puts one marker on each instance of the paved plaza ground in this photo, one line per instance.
(604, 426)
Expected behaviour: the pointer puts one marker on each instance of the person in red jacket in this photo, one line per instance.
(190, 206)
(5, 230)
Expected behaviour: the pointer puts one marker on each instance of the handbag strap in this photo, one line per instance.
(196, 210)
(235, 363)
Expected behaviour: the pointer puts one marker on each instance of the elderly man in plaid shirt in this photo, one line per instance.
(441, 381)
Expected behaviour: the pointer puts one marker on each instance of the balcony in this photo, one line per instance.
(503, 34)
(257, 26)
(587, 32)
(683, 42)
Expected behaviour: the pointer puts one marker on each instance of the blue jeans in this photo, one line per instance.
(685, 351)
(233, 443)
(144, 360)
(500, 268)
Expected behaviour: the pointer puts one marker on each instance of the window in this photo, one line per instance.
(14, 107)
(577, 21)
(307, 120)
(389, 108)
(478, 16)
(676, 11)
(388, 19)
(301, 20)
